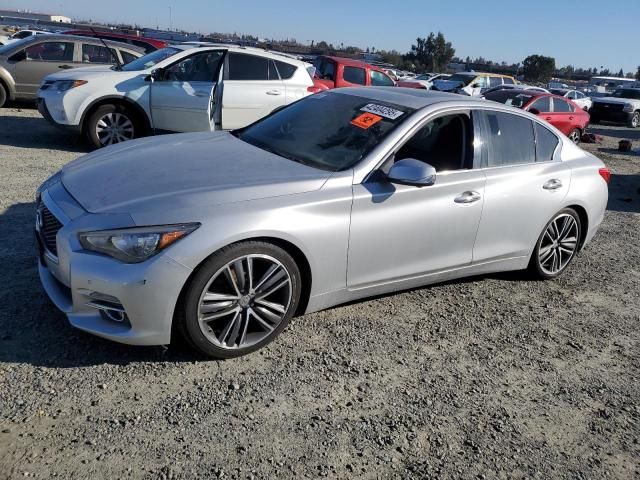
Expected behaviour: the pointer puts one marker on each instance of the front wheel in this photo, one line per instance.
(111, 124)
(634, 121)
(3, 95)
(557, 245)
(575, 136)
(240, 299)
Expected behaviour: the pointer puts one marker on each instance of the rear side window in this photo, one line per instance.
(561, 106)
(507, 81)
(542, 105)
(495, 81)
(97, 54)
(285, 69)
(379, 79)
(546, 143)
(247, 67)
(354, 75)
(511, 139)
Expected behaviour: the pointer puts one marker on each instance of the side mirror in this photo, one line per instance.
(18, 57)
(535, 111)
(156, 74)
(410, 171)
(476, 85)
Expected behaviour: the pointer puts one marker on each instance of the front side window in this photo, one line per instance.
(329, 131)
(546, 143)
(480, 82)
(97, 54)
(248, 67)
(51, 52)
(543, 105)
(561, 106)
(326, 69)
(354, 75)
(379, 79)
(445, 143)
(511, 139)
(202, 67)
(127, 57)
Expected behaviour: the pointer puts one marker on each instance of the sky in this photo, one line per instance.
(582, 33)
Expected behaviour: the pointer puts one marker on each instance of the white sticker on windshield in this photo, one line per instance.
(386, 112)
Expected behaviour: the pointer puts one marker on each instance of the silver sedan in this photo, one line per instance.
(223, 237)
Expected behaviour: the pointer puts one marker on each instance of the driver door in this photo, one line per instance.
(39, 60)
(400, 232)
(183, 94)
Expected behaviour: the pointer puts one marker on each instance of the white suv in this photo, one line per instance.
(185, 88)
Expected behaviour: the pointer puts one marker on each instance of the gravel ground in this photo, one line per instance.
(492, 377)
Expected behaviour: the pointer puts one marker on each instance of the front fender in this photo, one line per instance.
(7, 79)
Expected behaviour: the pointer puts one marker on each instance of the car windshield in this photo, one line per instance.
(329, 131)
(509, 97)
(464, 79)
(627, 93)
(151, 59)
(558, 91)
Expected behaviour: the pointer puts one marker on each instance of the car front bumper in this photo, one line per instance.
(126, 303)
(610, 115)
(44, 111)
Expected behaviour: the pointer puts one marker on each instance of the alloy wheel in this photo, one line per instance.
(558, 245)
(244, 301)
(114, 128)
(574, 136)
(635, 120)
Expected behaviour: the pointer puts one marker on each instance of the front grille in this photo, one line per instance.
(49, 226)
(608, 107)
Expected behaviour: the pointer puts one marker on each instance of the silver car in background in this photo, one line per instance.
(223, 237)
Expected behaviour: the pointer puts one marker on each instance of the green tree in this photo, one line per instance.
(538, 68)
(392, 56)
(432, 53)
(638, 73)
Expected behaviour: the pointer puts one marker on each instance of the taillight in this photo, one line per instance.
(605, 173)
(314, 89)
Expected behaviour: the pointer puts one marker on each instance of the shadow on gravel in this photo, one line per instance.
(32, 330)
(624, 193)
(621, 132)
(37, 133)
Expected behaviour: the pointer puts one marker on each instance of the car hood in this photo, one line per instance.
(88, 73)
(177, 171)
(615, 100)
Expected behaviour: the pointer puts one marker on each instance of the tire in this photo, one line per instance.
(3, 95)
(634, 121)
(126, 121)
(575, 135)
(243, 321)
(542, 264)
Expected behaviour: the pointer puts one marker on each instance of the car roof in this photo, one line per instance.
(97, 41)
(238, 48)
(352, 62)
(406, 97)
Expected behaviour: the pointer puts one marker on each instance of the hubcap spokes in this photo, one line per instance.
(558, 244)
(114, 128)
(575, 137)
(244, 301)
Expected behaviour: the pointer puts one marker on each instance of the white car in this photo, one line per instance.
(24, 34)
(182, 88)
(577, 97)
(427, 79)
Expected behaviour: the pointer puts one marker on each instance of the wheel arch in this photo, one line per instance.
(116, 100)
(292, 249)
(9, 86)
(584, 222)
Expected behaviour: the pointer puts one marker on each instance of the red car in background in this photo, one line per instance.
(336, 72)
(560, 112)
(148, 44)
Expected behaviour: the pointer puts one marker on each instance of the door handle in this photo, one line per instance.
(65, 67)
(468, 197)
(548, 119)
(273, 92)
(570, 118)
(552, 184)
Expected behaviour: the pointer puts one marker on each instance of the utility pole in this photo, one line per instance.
(170, 23)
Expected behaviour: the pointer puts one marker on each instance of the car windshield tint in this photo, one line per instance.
(151, 59)
(464, 79)
(329, 131)
(509, 97)
(627, 93)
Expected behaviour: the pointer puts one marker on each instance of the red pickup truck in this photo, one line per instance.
(336, 72)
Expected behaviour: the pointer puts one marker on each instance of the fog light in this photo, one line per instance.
(109, 307)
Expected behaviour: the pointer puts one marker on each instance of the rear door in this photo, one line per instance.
(252, 89)
(563, 115)
(39, 60)
(526, 184)
(91, 54)
(183, 99)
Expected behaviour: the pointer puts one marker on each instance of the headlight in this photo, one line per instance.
(64, 85)
(627, 107)
(134, 245)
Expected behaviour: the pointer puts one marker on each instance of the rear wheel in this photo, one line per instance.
(634, 121)
(241, 298)
(111, 124)
(557, 245)
(3, 95)
(575, 136)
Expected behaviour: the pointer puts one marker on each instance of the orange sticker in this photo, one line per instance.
(365, 120)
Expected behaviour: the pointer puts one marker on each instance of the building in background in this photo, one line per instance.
(34, 16)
